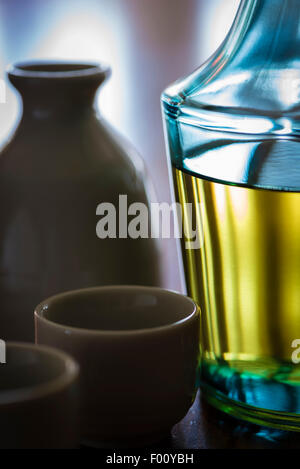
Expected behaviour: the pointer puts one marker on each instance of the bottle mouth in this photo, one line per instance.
(58, 70)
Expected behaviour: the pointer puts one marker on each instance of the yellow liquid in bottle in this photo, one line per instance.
(246, 278)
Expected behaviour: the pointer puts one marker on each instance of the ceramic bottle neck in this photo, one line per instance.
(57, 90)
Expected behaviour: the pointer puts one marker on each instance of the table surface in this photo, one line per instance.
(207, 428)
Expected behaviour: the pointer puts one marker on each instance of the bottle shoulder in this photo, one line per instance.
(236, 119)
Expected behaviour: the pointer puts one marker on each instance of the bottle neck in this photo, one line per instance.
(254, 71)
(56, 104)
(265, 31)
(55, 90)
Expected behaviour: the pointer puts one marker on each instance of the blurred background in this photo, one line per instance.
(148, 43)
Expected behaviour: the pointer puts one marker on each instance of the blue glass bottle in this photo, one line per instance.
(233, 137)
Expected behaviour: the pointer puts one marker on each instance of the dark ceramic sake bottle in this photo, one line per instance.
(63, 161)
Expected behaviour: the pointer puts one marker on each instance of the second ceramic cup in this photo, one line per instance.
(138, 349)
(38, 398)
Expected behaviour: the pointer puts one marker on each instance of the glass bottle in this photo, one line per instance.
(232, 129)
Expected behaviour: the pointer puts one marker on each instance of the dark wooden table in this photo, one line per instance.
(204, 427)
(207, 428)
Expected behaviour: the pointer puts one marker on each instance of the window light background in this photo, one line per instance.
(148, 43)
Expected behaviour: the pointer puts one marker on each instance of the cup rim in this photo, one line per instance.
(115, 332)
(50, 387)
